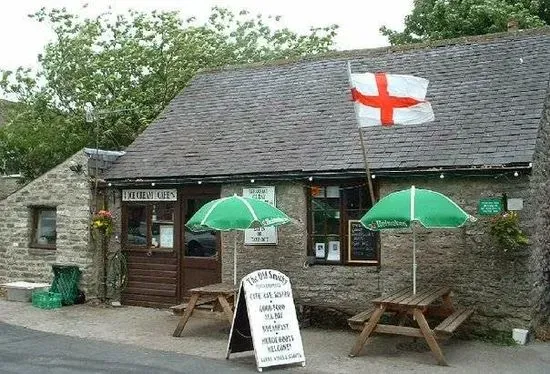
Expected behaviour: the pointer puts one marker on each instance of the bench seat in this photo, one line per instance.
(204, 302)
(451, 323)
(357, 322)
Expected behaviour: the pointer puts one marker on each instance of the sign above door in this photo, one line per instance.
(150, 195)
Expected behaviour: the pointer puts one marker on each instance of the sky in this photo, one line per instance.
(22, 38)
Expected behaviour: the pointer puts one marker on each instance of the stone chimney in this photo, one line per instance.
(513, 25)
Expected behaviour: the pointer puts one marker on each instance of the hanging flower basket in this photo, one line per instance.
(102, 222)
(506, 231)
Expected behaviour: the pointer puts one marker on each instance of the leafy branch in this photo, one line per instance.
(135, 60)
(444, 19)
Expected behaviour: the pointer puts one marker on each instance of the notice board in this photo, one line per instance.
(362, 243)
(261, 235)
(265, 320)
(490, 206)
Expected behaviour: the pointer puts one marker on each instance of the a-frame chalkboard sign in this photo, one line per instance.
(265, 320)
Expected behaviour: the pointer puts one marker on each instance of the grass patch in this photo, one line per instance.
(497, 337)
(543, 332)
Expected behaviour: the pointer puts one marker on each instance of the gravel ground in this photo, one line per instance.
(326, 350)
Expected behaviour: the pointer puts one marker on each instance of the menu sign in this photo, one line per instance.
(265, 320)
(261, 235)
(361, 243)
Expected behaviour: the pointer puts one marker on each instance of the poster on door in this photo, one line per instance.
(261, 235)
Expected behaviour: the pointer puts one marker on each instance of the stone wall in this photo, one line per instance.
(290, 253)
(481, 275)
(69, 192)
(540, 260)
(112, 199)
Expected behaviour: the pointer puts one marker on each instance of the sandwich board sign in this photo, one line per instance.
(265, 321)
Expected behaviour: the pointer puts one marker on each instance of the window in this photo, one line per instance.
(199, 244)
(333, 210)
(43, 227)
(149, 225)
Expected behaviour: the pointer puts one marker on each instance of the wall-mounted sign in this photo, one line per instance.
(150, 195)
(514, 203)
(490, 206)
(265, 321)
(261, 235)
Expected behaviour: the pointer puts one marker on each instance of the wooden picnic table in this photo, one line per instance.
(403, 304)
(219, 295)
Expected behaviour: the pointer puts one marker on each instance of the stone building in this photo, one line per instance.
(47, 222)
(289, 127)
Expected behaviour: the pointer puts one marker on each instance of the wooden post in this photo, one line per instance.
(429, 336)
(367, 330)
(104, 251)
(187, 314)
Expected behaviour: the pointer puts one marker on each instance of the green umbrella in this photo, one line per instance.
(236, 213)
(400, 209)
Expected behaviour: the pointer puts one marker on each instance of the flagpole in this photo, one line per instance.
(363, 149)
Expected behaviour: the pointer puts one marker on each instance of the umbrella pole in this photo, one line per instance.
(414, 260)
(235, 258)
(413, 201)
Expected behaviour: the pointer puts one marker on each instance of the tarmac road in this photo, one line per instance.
(99, 339)
(29, 351)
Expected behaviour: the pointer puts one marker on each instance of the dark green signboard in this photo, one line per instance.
(490, 206)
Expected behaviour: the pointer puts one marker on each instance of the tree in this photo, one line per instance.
(128, 66)
(443, 19)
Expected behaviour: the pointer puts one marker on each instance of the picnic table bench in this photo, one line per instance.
(205, 302)
(403, 304)
(451, 323)
(216, 296)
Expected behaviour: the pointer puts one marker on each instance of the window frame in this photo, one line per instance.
(148, 205)
(344, 219)
(35, 213)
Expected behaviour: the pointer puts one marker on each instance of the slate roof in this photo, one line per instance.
(100, 160)
(488, 95)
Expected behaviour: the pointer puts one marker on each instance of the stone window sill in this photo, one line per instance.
(150, 250)
(41, 250)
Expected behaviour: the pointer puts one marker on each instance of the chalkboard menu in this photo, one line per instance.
(361, 243)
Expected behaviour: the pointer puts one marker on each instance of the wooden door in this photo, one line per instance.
(201, 258)
(152, 279)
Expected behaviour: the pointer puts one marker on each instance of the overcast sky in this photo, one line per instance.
(23, 38)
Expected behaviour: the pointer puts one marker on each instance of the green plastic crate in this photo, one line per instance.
(46, 300)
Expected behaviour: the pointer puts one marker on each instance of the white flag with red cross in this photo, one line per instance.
(388, 99)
